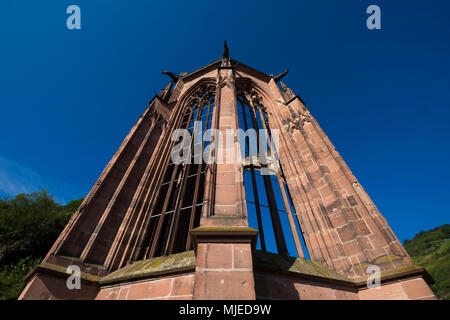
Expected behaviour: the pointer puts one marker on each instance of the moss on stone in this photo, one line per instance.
(276, 262)
(153, 266)
(62, 270)
(313, 268)
(361, 266)
(386, 273)
(387, 258)
(296, 265)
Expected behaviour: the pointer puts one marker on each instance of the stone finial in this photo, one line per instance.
(226, 51)
(226, 60)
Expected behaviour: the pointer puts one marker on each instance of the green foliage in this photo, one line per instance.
(11, 277)
(29, 225)
(431, 250)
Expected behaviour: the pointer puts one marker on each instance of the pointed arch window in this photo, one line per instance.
(180, 199)
(269, 205)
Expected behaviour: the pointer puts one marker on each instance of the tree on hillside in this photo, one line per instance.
(431, 250)
(29, 225)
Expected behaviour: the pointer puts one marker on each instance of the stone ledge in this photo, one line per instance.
(230, 234)
(159, 266)
(298, 268)
(60, 271)
(311, 270)
(388, 276)
(150, 268)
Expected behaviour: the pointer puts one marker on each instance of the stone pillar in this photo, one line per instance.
(227, 181)
(224, 243)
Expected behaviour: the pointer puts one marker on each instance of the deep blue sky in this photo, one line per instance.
(68, 98)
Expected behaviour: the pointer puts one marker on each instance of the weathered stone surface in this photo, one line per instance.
(180, 261)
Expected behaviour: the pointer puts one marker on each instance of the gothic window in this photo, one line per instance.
(268, 199)
(180, 199)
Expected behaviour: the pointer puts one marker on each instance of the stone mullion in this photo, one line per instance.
(197, 183)
(157, 236)
(172, 235)
(316, 231)
(283, 193)
(92, 193)
(274, 213)
(294, 231)
(318, 235)
(313, 232)
(155, 183)
(262, 240)
(146, 207)
(210, 168)
(239, 181)
(135, 242)
(91, 242)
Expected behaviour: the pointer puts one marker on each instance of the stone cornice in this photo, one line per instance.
(230, 234)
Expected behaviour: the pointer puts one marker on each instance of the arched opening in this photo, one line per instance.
(269, 205)
(180, 200)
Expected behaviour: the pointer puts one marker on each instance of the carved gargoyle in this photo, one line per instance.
(281, 75)
(171, 75)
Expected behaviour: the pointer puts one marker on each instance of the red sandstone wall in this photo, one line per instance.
(269, 286)
(224, 272)
(170, 288)
(410, 289)
(48, 287)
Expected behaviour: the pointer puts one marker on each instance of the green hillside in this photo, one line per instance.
(431, 250)
(29, 225)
